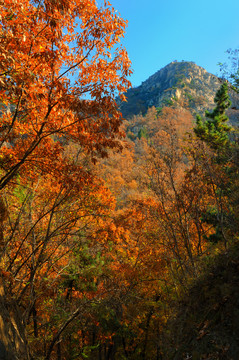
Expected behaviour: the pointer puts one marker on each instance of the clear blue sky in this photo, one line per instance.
(160, 31)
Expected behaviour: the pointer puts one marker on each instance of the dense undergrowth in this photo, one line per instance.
(206, 324)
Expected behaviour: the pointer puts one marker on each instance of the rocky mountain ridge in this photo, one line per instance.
(179, 84)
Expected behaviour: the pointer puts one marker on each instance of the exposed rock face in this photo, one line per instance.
(179, 84)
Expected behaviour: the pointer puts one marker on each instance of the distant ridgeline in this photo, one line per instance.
(179, 84)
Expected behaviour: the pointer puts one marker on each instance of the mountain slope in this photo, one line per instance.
(207, 322)
(181, 84)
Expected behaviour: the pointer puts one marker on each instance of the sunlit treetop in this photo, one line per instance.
(214, 131)
(61, 66)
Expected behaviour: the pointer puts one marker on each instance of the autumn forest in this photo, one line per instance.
(119, 237)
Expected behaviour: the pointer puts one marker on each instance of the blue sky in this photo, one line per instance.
(161, 31)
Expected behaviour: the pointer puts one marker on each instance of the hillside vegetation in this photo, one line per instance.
(206, 322)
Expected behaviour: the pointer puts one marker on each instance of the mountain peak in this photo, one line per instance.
(177, 83)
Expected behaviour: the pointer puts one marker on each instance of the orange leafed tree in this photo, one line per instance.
(60, 70)
(61, 67)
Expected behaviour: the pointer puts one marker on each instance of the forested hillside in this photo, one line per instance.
(119, 237)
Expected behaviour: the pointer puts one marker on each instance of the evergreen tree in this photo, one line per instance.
(215, 130)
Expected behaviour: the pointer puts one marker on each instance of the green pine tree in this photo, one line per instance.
(215, 130)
